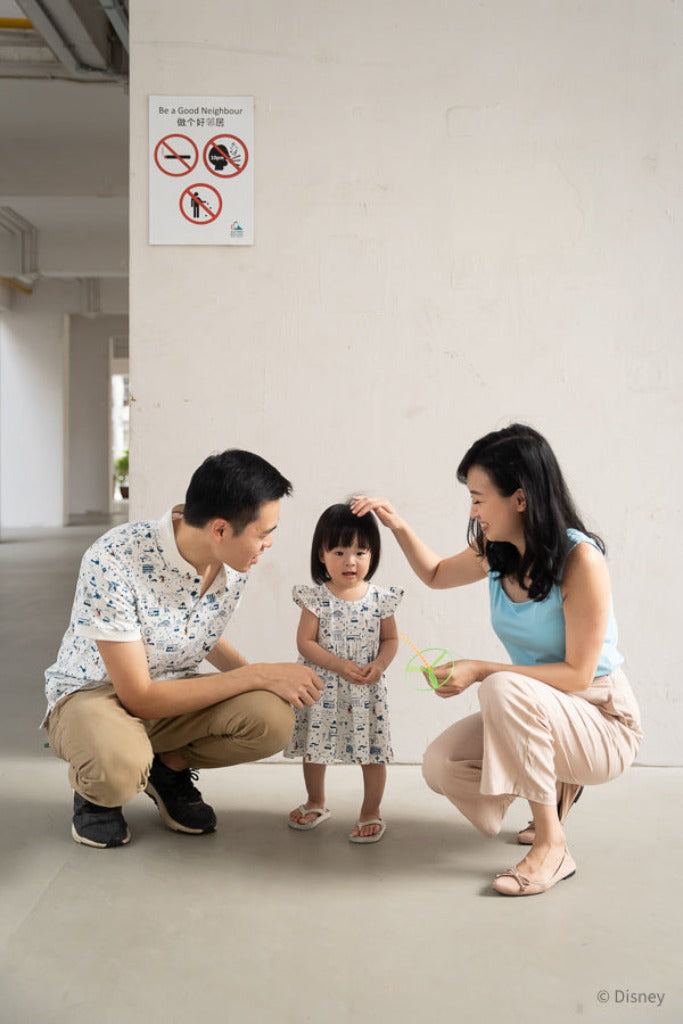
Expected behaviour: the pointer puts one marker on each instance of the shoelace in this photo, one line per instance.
(185, 785)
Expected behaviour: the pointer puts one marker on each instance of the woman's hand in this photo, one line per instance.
(385, 512)
(455, 676)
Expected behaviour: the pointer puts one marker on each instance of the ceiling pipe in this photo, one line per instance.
(118, 17)
(91, 296)
(20, 24)
(9, 282)
(44, 24)
(27, 233)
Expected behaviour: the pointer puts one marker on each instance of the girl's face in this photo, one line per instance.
(499, 518)
(346, 567)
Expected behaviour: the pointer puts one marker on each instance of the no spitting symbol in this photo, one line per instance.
(201, 170)
(226, 156)
(201, 204)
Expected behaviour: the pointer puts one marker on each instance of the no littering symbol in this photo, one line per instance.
(226, 156)
(201, 204)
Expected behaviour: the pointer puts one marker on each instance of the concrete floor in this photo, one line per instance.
(261, 925)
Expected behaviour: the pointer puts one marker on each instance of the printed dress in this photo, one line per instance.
(350, 722)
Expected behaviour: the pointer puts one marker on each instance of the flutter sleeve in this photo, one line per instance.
(307, 597)
(389, 601)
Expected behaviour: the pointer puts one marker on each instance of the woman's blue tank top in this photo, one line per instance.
(533, 632)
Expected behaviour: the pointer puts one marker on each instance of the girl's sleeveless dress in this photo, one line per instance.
(350, 722)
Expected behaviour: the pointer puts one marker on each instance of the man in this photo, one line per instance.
(126, 707)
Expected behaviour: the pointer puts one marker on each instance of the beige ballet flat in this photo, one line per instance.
(512, 883)
(569, 795)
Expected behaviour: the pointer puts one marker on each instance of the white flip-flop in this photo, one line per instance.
(369, 839)
(322, 815)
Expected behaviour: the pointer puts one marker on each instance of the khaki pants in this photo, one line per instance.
(527, 738)
(110, 751)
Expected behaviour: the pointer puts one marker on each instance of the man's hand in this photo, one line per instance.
(297, 684)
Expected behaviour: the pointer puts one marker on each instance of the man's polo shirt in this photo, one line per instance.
(134, 584)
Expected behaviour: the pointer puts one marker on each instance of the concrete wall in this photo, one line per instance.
(90, 470)
(54, 440)
(33, 365)
(466, 214)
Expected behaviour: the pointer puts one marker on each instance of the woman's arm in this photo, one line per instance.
(586, 598)
(436, 572)
(309, 648)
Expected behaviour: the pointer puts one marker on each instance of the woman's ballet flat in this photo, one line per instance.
(369, 839)
(527, 835)
(569, 795)
(512, 883)
(322, 814)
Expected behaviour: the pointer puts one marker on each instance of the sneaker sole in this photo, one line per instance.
(170, 822)
(99, 846)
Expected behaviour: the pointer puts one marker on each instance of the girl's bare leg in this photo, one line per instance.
(314, 779)
(374, 781)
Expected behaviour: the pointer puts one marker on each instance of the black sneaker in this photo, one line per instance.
(180, 804)
(102, 827)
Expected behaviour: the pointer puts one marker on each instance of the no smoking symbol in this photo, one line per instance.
(176, 155)
(201, 204)
(226, 156)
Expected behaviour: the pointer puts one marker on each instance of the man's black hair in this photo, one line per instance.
(232, 486)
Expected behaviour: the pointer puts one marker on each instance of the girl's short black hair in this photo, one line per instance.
(337, 528)
(519, 457)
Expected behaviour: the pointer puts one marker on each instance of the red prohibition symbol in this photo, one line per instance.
(201, 204)
(226, 156)
(176, 155)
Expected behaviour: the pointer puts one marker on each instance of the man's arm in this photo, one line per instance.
(225, 658)
(127, 668)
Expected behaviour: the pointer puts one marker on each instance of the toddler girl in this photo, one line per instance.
(348, 634)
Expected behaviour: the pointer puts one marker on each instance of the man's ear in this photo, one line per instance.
(220, 528)
(521, 500)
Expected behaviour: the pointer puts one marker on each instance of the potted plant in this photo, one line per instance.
(121, 473)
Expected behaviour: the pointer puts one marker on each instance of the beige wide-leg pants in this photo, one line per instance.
(110, 752)
(527, 738)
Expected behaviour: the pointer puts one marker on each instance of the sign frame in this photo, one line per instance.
(223, 123)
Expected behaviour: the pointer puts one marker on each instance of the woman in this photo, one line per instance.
(562, 715)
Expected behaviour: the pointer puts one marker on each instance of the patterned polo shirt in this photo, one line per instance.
(134, 584)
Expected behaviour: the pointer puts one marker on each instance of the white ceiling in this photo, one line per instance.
(64, 159)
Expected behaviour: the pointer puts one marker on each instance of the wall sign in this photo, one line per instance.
(201, 170)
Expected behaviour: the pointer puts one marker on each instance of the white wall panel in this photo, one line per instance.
(465, 214)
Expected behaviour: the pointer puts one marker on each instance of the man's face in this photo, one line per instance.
(242, 551)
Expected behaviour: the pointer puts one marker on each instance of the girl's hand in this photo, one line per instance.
(350, 671)
(385, 512)
(371, 672)
(458, 675)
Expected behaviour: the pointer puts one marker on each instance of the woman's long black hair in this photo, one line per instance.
(519, 457)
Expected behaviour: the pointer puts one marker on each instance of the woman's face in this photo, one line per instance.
(499, 518)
